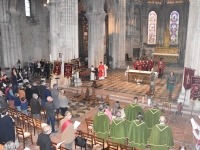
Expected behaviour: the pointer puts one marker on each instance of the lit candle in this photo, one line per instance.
(50, 57)
(47, 1)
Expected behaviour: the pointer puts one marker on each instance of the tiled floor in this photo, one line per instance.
(117, 87)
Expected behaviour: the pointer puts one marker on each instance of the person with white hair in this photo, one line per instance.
(44, 141)
(35, 106)
(161, 137)
(50, 113)
(152, 116)
(101, 123)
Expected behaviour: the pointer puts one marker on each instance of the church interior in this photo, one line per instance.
(76, 35)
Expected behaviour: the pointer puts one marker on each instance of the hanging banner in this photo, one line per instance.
(195, 91)
(76, 64)
(188, 74)
(57, 68)
(68, 70)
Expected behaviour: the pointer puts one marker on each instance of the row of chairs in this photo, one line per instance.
(93, 141)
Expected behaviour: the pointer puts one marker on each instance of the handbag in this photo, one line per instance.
(80, 141)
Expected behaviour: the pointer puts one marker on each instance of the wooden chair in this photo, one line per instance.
(35, 124)
(89, 138)
(78, 133)
(58, 118)
(25, 121)
(43, 114)
(100, 141)
(22, 135)
(125, 147)
(14, 115)
(89, 124)
(112, 145)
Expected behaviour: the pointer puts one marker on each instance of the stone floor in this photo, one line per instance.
(117, 87)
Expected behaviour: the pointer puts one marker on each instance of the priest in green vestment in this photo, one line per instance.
(161, 136)
(152, 116)
(118, 130)
(138, 133)
(132, 110)
(101, 124)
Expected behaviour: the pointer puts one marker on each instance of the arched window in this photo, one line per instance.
(27, 8)
(152, 26)
(174, 25)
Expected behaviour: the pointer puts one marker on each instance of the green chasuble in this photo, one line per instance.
(161, 137)
(131, 112)
(118, 130)
(101, 125)
(137, 135)
(152, 117)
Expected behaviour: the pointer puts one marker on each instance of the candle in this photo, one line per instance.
(50, 57)
(143, 100)
(47, 1)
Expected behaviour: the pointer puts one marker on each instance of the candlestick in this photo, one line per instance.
(50, 57)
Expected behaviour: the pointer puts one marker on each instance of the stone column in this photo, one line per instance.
(96, 31)
(192, 54)
(53, 30)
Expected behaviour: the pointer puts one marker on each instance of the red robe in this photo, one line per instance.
(161, 66)
(140, 65)
(144, 65)
(135, 65)
(101, 71)
(150, 64)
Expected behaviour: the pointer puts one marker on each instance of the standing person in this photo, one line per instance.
(28, 93)
(24, 105)
(7, 128)
(152, 80)
(63, 102)
(50, 113)
(15, 81)
(108, 112)
(20, 78)
(42, 87)
(161, 66)
(9, 95)
(34, 88)
(92, 74)
(161, 136)
(54, 94)
(101, 124)
(132, 110)
(3, 103)
(171, 79)
(31, 66)
(47, 92)
(135, 65)
(47, 69)
(19, 65)
(17, 102)
(101, 71)
(105, 69)
(118, 130)
(137, 135)
(35, 106)
(44, 141)
(152, 116)
(150, 64)
(38, 68)
(67, 130)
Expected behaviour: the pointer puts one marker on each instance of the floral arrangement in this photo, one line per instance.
(149, 94)
(138, 79)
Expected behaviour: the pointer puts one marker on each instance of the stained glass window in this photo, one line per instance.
(174, 25)
(152, 25)
(27, 8)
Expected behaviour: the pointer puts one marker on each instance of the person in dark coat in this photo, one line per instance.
(15, 82)
(42, 87)
(35, 89)
(44, 141)
(7, 130)
(3, 102)
(47, 93)
(28, 93)
(35, 106)
(10, 95)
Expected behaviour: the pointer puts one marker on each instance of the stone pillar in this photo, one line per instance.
(192, 54)
(53, 30)
(96, 31)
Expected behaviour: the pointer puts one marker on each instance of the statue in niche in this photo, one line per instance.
(167, 37)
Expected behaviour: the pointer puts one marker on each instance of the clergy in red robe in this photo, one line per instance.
(101, 71)
(146, 65)
(140, 64)
(135, 65)
(143, 65)
(151, 64)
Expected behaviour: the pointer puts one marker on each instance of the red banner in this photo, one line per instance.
(188, 74)
(57, 68)
(68, 70)
(195, 91)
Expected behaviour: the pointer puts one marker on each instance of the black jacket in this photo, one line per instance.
(3, 103)
(41, 90)
(35, 90)
(35, 106)
(44, 142)
(50, 107)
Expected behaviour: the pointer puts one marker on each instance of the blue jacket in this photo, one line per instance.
(17, 102)
(47, 93)
(9, 94)
(24, 105)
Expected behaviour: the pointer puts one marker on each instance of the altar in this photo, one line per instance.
(135, 74)
(169, 54)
